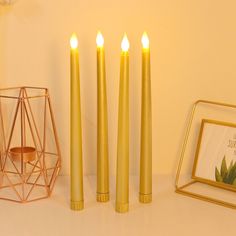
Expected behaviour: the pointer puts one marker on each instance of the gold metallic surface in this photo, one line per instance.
(76, 164)
(122, 207)
(122, 174)
(102, 130)
(77, 206)
(103, 197)
(146, 131)
(145, 198)
(181, 189)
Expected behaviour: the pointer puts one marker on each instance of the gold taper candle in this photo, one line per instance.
(145, 192)
(122, 174)
(76, 165)
(102, 133)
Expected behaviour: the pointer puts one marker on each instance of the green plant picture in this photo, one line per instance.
(226, 174)
(215, 157)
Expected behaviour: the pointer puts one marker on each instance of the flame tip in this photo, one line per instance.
(73, 41)
(145, 40)
(125, 43)
(99, 39)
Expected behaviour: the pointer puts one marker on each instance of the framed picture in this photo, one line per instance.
(215, 158)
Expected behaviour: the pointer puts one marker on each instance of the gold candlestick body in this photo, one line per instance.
(145, 193)
(122, 176)
(76, 165)
(102, 130)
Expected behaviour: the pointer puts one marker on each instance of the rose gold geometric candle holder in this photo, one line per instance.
(30, 157)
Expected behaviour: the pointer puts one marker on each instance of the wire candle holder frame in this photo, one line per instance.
(27, 173)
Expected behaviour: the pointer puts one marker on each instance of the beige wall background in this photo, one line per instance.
(193, 48)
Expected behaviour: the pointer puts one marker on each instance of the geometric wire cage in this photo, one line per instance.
(30, 157)
(185, 183)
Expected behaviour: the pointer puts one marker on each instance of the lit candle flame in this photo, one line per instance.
(100, 39)
(145, 40)
(125, 44)
(73, 41)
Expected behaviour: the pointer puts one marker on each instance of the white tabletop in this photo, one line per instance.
(169, 214)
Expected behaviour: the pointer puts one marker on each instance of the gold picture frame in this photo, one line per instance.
(185, 182)
(219, 125)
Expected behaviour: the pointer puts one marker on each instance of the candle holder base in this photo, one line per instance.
(122, 207)
(103, 197)
(77, 205)
(145, 198)
(25, 154)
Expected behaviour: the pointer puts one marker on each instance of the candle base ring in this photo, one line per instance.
(122, 207)
(145, 198)
(77, 205)
(103, 197)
